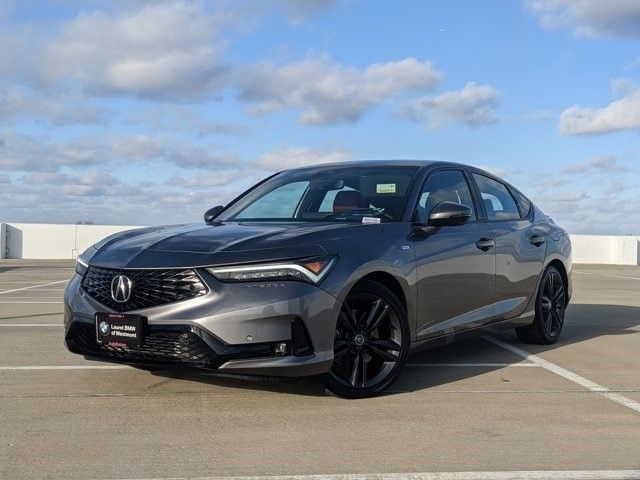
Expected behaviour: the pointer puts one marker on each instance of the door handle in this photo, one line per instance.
(485, 244)
(537, 240)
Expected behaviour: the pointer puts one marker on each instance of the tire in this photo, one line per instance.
(551, 303)
(371, 342)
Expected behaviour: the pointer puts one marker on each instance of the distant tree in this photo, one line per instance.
(85, 222)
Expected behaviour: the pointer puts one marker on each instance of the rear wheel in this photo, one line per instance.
(551, 303)
(371, 342)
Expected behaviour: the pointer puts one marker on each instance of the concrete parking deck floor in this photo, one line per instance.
(472, 406)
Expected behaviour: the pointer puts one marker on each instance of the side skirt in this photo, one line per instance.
(447, 338)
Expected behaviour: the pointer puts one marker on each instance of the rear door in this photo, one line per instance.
(456, 265)
(520, 246)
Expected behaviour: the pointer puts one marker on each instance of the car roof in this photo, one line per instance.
(400, 163)
(379, 163)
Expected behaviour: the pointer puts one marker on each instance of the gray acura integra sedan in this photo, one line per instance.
(334, 270)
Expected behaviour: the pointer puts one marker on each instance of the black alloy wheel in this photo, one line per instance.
(551, 304)
(371, 342)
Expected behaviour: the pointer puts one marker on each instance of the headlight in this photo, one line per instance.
(310, 270)
(82, 262)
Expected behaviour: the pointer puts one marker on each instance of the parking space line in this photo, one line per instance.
(23, 297)
(17, 281)
(572, 377)
(31, 325)
(33, 286)
(64, 367)
(28, 303)
(472, 365)
(606, 275)
(502, 475)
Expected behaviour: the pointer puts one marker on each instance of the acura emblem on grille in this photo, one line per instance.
(121, 287)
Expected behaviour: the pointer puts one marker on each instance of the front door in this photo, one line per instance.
(456, 265)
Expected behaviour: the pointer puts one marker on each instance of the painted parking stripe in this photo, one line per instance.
(606, 275)
(28, 303)
(572, 377)
(31, 325)
(33, 286)
(517, 475)
(24, 297)
(472, 365)
(18, 281)
(64, 367)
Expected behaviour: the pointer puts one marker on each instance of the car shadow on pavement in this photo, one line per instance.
(425, 369)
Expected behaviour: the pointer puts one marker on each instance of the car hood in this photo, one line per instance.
(221, 244)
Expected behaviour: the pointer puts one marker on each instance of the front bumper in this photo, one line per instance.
(232, 329)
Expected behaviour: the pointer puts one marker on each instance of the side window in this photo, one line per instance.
(279, 203)
(444, 186)
(498, 201)
(524, 204)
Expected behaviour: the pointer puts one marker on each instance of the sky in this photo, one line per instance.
(149, 112)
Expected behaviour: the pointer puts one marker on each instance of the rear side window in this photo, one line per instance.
(498, 201)
(524, 204)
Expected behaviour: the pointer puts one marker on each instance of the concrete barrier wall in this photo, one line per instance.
(607, 249)
(48, 241)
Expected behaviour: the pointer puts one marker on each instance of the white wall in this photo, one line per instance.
(44, 241)
(609, 249)
(48, 241)
(3, 240)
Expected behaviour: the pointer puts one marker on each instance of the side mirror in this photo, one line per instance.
(212, 213)
(449, 214)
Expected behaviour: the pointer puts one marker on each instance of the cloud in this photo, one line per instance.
(19, 103)
(600, 164)
(590, 18)
(98, 196)
(292, 157)
(166, 49)
(623, 86)
(204, 179)
(171, 49)
(178, 117)
(327, 92)
(475, 105)
(28, 153)
(622, 114)
(568, 196)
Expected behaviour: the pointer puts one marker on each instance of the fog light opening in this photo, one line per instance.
(280, 349)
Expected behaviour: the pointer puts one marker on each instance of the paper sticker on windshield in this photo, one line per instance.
(370, 220)
(385, 188)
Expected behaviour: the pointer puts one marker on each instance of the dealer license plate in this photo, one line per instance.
(120, 330)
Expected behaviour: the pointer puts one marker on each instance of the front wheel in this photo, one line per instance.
(371, 342)
(551, 303)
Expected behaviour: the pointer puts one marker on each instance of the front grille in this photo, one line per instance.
(166, 346)
(150, 287)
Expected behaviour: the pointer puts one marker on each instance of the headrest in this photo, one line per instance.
(347, 200)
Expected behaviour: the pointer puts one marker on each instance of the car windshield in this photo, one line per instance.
(356, 194)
